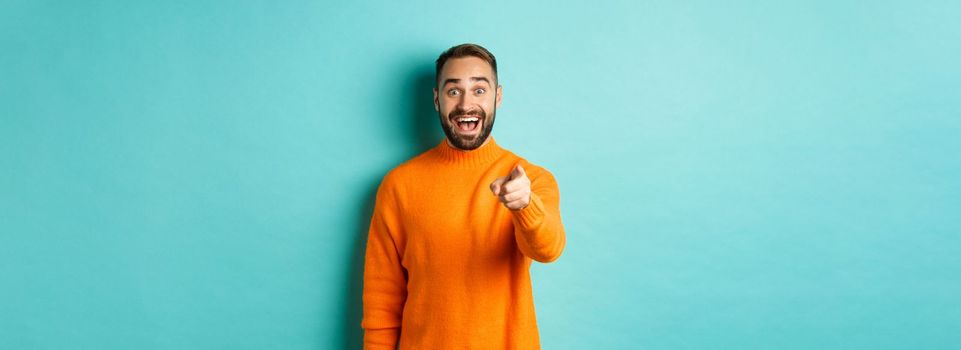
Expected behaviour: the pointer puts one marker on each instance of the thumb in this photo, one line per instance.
(497, 184)
(518, 171)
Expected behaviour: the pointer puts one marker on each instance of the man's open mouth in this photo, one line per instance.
(467, 123)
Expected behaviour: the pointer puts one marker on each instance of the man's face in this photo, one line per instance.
(466, 100)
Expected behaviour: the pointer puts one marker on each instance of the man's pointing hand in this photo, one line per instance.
(514, 190)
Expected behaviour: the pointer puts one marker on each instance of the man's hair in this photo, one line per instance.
(465, 50)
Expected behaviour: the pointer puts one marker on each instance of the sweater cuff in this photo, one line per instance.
(530, 217)
(384, 338)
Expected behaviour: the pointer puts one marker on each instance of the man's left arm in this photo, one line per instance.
(534, 203)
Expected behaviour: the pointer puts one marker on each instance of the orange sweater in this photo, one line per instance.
(447, 265)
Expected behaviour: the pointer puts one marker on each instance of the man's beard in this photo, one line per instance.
(460, 141)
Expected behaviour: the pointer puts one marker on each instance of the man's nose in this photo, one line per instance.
(463, 101)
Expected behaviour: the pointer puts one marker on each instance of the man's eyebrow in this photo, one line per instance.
(453, 80)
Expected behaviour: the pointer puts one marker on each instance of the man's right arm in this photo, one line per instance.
(385, 280)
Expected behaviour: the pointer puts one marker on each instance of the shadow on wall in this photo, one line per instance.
(423, 134)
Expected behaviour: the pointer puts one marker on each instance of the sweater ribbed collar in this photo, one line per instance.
(482, 155)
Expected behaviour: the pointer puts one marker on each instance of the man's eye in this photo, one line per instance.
(480, 91)
(453, 92)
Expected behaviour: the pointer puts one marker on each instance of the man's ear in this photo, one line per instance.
(500, 90)
(436, 102)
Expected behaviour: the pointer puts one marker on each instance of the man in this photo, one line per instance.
(455, 228)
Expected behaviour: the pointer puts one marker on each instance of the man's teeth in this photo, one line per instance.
(467, 119)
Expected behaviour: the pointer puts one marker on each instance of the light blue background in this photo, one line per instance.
(734, 175)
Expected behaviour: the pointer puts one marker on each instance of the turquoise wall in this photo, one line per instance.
(734, 175)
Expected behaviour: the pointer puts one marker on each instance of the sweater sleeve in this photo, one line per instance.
(385, 280)
(537, 227)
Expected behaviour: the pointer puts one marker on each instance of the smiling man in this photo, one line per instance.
(455, 229)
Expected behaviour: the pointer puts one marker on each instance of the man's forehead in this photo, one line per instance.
(465, 68)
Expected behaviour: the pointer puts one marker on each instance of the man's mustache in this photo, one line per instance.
(462, 112)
